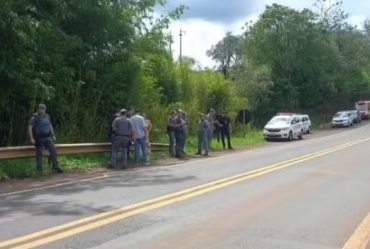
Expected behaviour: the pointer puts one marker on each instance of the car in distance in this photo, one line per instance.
(363, 107)
(342, 119)
(306, 121)
(285, 127)
(356, 116)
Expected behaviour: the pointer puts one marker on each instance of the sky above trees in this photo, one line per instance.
(207, 21)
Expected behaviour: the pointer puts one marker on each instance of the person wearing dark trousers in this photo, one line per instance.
(184, 129)
(123, 131)
(224, 123)
(111, 119)
(171, 133)
(179, 138)
(211, 120)
(203, 135)
(130, 113)
(41, 134)
(217, 127)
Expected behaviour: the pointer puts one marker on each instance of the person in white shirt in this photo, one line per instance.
(139, 127)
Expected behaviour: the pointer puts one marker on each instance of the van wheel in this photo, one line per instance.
(290, 137)
(309, 130)
(300, 137)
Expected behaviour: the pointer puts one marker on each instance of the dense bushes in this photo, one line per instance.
(84, 58)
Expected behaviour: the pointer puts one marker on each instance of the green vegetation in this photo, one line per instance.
(84, 58)
(20, 168)
(308, 61)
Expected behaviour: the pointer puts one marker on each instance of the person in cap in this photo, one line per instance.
(117, 113)
(225, 129)
(203, 129)
(179, 136)
(41, 134)
(123, 131)
(171, 133)
(211, 120)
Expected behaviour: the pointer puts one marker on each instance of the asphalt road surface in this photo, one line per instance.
(310, 194)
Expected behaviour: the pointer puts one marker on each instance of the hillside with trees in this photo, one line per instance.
(307, 61)
(84, 58)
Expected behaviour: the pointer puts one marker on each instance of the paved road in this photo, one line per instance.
(312, 194)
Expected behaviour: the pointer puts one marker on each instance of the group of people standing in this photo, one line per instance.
(129, 127)
(177, 130)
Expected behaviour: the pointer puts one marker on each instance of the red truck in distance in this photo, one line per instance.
(363, 107)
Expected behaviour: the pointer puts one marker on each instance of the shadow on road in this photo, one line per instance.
(46, 202)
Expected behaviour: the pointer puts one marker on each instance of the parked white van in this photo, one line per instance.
(286, 127)
(306, 122)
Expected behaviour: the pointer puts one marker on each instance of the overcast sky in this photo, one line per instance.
(207, 21)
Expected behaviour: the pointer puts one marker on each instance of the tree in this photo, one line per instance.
(308, 60)
(331, 14)
(227, 53)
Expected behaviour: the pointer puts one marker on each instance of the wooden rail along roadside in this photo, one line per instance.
(66, 149)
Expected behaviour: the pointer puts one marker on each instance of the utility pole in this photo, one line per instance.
(182, 33)
(170, 42)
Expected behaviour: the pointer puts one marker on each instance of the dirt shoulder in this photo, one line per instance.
(16, 185)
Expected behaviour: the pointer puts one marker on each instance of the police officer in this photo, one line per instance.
(179, 138)
(184, 129)
(211, 120)
(123, 132)
(129, 114)
(41, 134)
(225, 129)
(171, 132)
(111, 119)
(203, 133)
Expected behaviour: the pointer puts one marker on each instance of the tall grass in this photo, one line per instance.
(80, 112)
(23, 168)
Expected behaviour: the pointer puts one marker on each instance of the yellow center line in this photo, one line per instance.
(157, 202)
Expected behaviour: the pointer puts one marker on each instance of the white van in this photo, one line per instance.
(286, 127)
(306, 122)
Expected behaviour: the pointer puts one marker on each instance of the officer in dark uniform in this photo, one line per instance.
(41, 134)
(178, 123)
(225, 129)
(184, 129)
(111, 119)
(129, 113)
(171, 132)
(203, 135)
(123, 132)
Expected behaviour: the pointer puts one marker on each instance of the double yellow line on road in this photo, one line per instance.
(82, 225)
